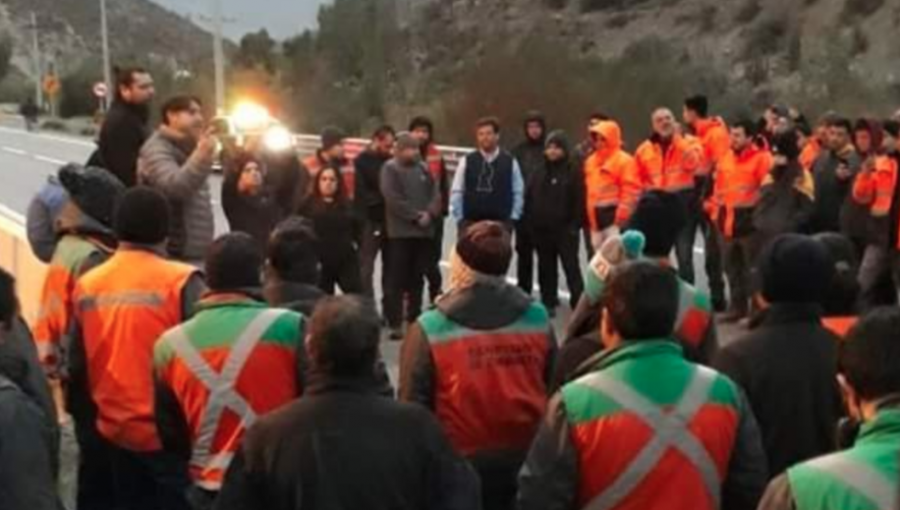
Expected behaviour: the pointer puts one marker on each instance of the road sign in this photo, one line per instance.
(51, 85)
(100, 89)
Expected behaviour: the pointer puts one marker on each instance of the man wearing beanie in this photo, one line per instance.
(878, 188)
(86, 240)
(332, 154)
(787, 193)
(413, 209)
(480, 361)
(257, 351)
(660, 217)
(787, 364)
(121, 309)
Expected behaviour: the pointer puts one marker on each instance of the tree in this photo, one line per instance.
(6, 51)
(257, 51)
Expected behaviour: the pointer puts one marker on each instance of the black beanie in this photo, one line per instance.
(142, 217)
(661, 217)
(94, 190)
(332, 136)
(234, 262)
(486, 247)
(795, 269)
(699, 104)
(787, 145)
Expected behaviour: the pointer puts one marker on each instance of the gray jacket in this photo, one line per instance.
(170, 166)
(409, 190)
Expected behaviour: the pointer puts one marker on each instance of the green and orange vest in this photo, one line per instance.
(864, 477)
(490, 386)
(123, 307)
(54, 323)
(651, 430)
(234, 361)
(695, 314)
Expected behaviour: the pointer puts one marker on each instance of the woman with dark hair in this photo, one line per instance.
(841, 303)
(337, 228)
(248, 202)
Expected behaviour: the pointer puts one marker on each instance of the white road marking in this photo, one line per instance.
(13, 215)
(52, 161)
(17, 152)
(61, 139)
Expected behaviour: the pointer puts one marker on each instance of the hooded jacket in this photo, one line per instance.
(611, 180)
(555, 192)
(833, 193)
(530, 153)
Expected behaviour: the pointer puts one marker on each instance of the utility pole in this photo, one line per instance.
(107, 70)
(218, 56)
(38, 74)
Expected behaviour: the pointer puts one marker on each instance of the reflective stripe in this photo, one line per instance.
(221, 386)
(127, 298)
(671, 432)
(867, 481)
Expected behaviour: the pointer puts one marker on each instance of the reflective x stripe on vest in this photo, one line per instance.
(861, 477)
(671, 432)
(221, 387)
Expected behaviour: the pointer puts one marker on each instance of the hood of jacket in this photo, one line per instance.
(535, 116)
(612, 133)
(485, 305)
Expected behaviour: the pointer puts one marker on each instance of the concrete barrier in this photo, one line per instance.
(16, 257)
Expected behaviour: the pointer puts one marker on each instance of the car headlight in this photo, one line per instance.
(250, 117)
(277, 139)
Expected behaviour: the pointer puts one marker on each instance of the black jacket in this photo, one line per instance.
(554, 197)
(298, 297)
(337, 229)
(787, 366)
(254, 215)
(123, 134)
(344, 447)
(786, 202)
(27, 443)
(833, 194)
(369, 200)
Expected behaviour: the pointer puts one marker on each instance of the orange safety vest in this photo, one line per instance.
(876, 188)
(611, 179)
(810, 154)
(840, 326)
(434, 160)
(673, 171)
(314, 164)
(738, 181)
(234, 361)
(123, 307)
(713, 134)
(54, 322)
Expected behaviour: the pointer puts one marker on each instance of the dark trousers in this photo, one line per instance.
(95, 466)
(525, 257)
(150, 481)
(433, 274)
(342, 274)
(712, 247)
(374, 241)
(879, 277)
(740, 257)
(410, 259)
(588, 245)
(555, 247)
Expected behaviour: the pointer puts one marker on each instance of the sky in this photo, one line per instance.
(282, 18)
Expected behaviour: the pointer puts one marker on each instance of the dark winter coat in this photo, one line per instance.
(787, 367)
(337, 230)
(554, 195)
(369, 200)
(254, 215)
(344, 446)
(833, 194)
(786, 201)
(123, 134)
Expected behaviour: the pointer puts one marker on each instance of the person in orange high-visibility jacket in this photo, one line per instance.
(712, 134)
(878, 187)
(122, 308)
(736, 193)
(668, 161)
(234, 361)
(85, 240)
(481, 361)
(644, 428)
(612, 183)
(333, 154)
(810, 146)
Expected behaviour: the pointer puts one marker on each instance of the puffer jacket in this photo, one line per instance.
(169, 166)
(612, 180)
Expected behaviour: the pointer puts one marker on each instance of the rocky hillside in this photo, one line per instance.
(70, 32)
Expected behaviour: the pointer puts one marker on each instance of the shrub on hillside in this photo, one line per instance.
(748, 11)
(861, 8)
(556, 5)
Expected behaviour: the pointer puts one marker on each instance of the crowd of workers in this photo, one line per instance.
(217, 372)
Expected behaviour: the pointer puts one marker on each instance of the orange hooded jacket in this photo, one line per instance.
(612, 180)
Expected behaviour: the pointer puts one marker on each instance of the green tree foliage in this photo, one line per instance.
(257, 51)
